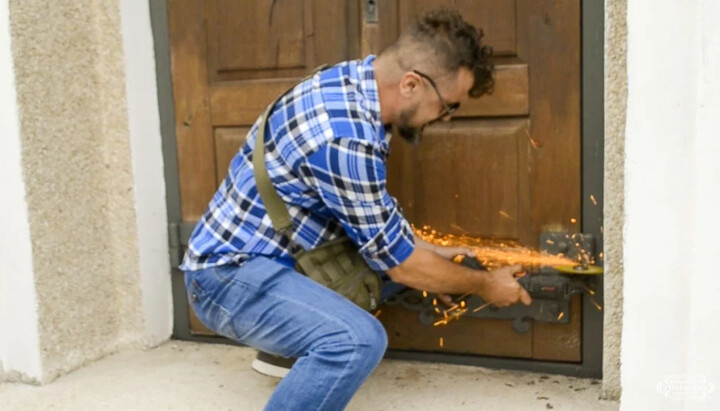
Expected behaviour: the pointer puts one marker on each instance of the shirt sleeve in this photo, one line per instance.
(350, 177)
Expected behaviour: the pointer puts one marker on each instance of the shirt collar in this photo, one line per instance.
(368, 87)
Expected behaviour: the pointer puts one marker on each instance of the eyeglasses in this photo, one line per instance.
(449, 108)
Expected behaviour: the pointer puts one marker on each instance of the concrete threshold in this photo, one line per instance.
(193, 376)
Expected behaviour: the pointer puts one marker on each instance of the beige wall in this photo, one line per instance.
(68, 62)
(615, 109)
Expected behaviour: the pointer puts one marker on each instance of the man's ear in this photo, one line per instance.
(409, 83)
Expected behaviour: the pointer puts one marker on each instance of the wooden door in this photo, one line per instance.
(505, 167)
(229, 60)
(516, 151)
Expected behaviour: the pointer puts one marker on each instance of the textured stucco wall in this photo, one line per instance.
(76, 157)
(614, 213)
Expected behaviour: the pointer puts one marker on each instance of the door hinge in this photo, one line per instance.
(178, 236)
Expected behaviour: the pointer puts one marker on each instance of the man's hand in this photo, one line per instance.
(503, 289)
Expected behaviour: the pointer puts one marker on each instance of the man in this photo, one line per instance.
(325, 150)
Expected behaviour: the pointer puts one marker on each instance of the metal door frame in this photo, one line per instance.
(592, 101)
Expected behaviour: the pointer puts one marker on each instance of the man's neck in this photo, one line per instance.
(387, 88)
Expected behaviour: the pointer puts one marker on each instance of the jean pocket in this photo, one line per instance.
(213, 315)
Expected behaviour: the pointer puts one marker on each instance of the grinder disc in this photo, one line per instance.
(576, 269)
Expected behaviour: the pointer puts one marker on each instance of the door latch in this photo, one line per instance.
(371, 11)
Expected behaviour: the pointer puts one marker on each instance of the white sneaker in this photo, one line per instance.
(272, 365)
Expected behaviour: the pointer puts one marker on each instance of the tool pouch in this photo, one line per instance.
(338, 266)
(335, 264)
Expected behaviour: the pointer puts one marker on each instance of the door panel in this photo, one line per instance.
(227, 142)
(507, 166)
(231, 58)
(450, 191)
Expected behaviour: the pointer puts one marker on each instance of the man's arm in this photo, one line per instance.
(426, 270)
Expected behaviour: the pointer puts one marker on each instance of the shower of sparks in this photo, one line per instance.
(493, 253)
(592, 198)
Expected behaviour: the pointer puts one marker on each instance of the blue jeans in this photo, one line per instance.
(270, 306)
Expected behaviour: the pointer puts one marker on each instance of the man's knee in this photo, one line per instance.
(363, 339)
(372, 337)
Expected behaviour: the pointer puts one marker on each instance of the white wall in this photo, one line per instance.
(19, 336)
(671, 321)
(147, 160)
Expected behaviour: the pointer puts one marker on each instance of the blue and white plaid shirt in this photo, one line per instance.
(326, 151)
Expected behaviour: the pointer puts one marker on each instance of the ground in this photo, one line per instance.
(192, 376)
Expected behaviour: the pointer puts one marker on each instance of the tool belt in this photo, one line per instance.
(335, 264)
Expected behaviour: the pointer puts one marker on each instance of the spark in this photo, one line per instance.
(447, 319)
(562, 314)
(598, 306)
(504, 214)
(549, 241)
(453, 308)
(592, 198)
(573, 220)
(424, 294)
(441, 342)
(591, 292)
(601, 255)
(481, 307)
(377, 314)
(457, 196)
(462, 304)
(434, 301)
(534, 143)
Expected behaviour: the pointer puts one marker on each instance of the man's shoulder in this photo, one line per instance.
(344, 103)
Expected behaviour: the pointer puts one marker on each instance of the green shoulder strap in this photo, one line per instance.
(275, 206)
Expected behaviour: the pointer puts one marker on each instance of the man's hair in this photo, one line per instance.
(455, 43)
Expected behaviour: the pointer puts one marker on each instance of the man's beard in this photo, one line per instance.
(407, 132)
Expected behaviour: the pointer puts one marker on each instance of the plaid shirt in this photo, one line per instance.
(326, 151)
